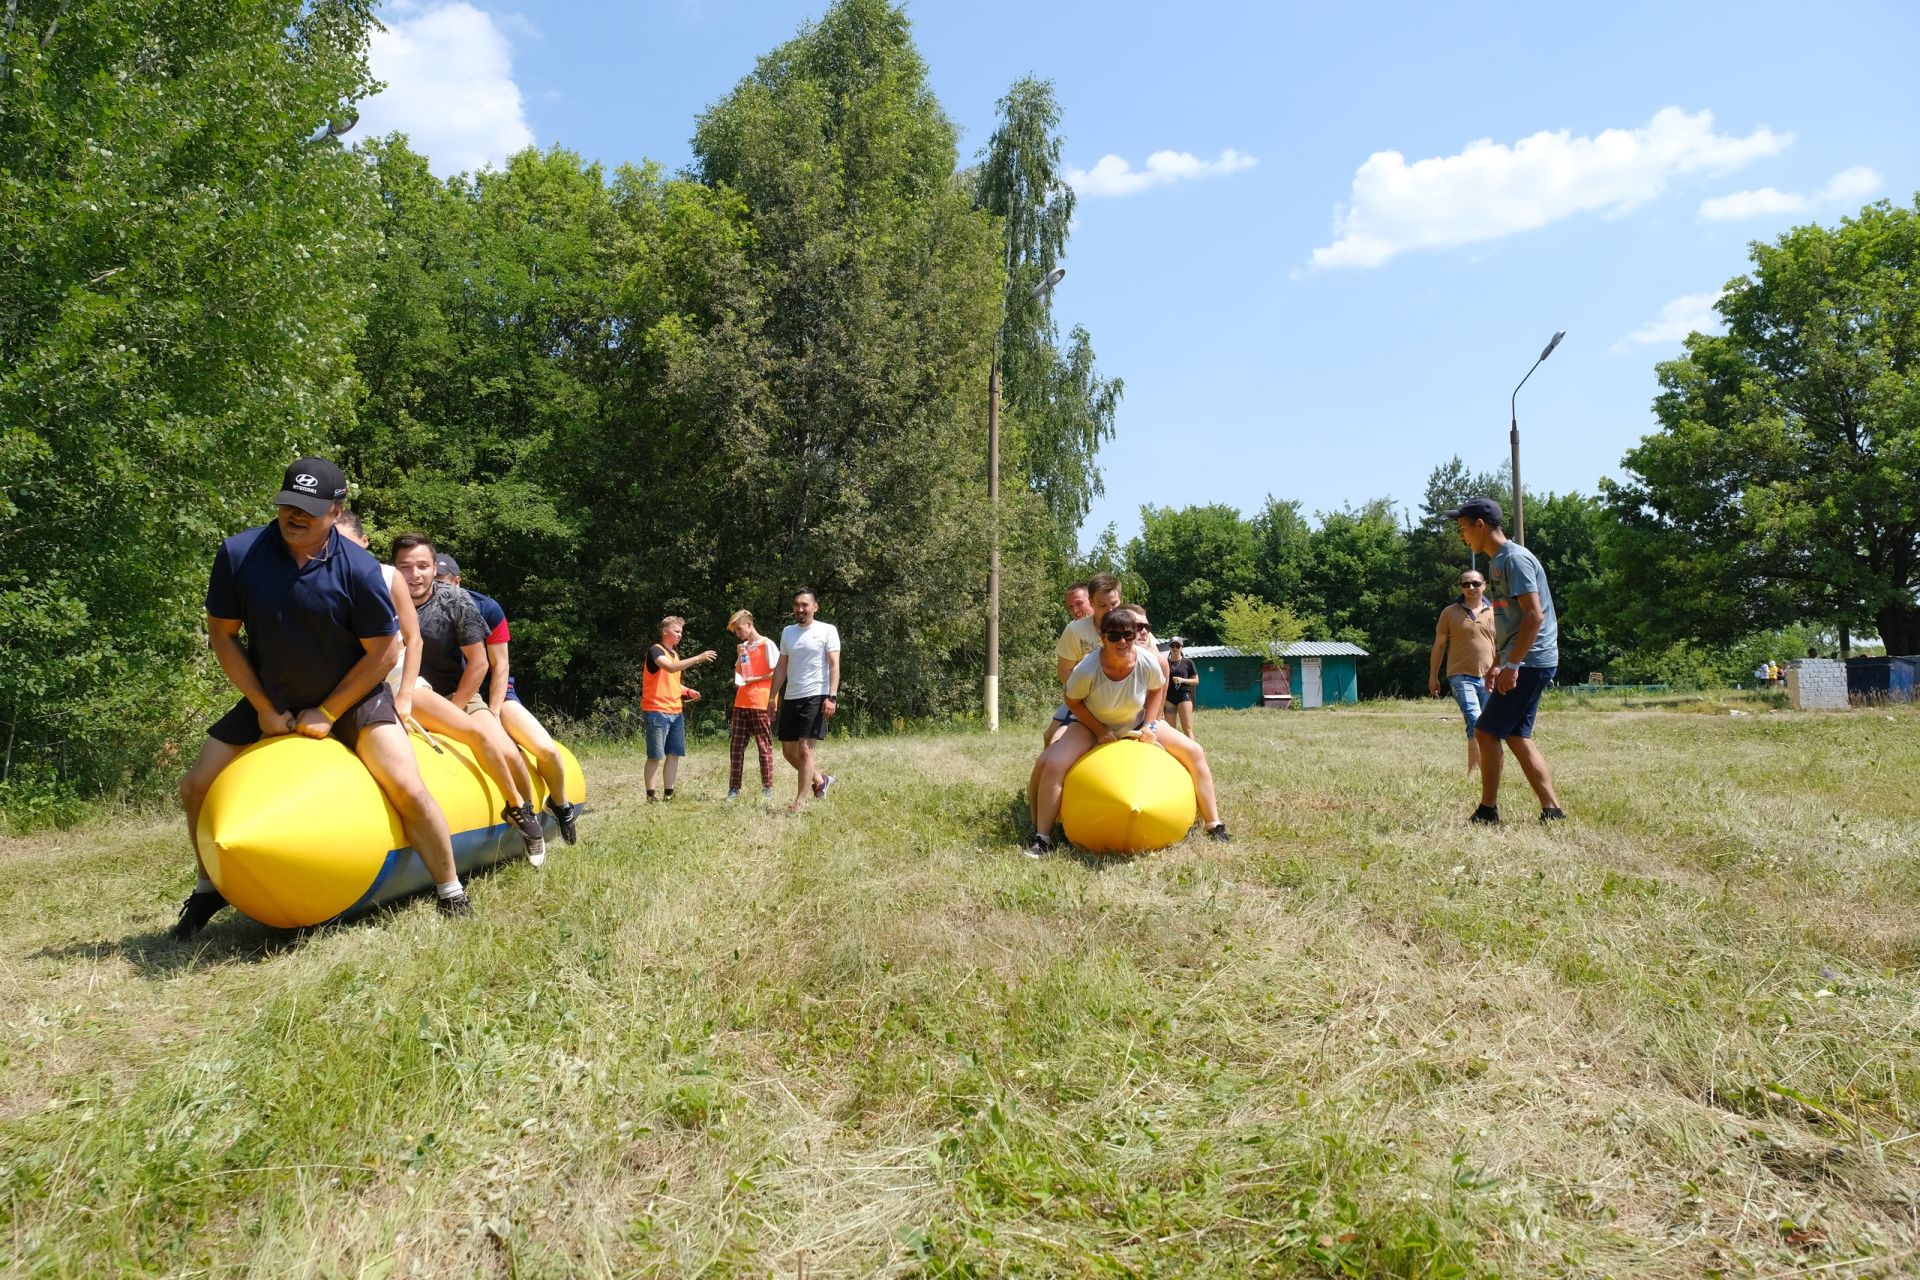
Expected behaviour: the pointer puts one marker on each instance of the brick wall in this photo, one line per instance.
(1817, 684)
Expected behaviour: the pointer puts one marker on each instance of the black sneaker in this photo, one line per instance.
(1038, 847)
(1555, 814)
(567, 816)
(1218, 833)
(527, 822)
(1487, 814)
(200, 907)
(458, 905)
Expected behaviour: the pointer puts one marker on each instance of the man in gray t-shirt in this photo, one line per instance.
(1526, 653)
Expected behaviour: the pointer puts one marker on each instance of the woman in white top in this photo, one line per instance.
(1116, 692)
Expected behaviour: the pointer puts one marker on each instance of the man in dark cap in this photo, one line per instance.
(1526, 652)
(320, 637)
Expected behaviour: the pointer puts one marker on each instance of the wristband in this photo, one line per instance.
(322, 709)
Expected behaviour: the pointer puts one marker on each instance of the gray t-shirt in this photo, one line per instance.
(1115, 703)
(1515, 571)
(448, 619)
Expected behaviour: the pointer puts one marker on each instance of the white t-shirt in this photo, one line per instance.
(1115, 703)
(806, 649)
(1081, 637)
(389, 573)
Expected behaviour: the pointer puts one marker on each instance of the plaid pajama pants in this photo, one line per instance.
(745, 723)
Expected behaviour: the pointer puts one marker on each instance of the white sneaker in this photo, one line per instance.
(733, 795)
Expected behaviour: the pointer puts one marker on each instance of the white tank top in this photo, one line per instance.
(392, 575)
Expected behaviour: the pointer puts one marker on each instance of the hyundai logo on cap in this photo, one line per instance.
(313, 485)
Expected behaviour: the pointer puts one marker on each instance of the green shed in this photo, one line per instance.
(1320, 672)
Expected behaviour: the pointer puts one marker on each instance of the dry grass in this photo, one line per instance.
(1676, 1037)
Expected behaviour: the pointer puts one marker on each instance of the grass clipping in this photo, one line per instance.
(1674, 1037)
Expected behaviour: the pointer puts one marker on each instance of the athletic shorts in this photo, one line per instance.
(802, 718)
(1510, 715)
(240, 727)
(1185, 694)
(666, 734)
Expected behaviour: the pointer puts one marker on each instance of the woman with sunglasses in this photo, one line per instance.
(1117, 692)
(1463, 645)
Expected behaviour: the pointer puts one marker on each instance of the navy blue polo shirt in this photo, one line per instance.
(304, 624)
(496, 619)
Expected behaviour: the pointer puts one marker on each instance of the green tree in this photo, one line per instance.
(1192, 560)
(1780, 486)
(879, 291)
(1059, 408)
(1253, 625)
(181, 285)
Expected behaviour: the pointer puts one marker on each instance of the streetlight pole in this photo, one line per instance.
(1513, 417)
(1038, 291)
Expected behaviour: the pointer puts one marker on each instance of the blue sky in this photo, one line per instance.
(1365, 224)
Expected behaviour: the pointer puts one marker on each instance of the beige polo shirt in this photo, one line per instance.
(1465, 639)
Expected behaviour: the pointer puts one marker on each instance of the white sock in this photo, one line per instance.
(203, 885)
(451, 889)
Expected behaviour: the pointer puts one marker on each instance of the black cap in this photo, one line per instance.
(1477, 509)
(445, 566)
(313, 485)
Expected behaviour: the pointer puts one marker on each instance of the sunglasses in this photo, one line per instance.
(1473, 584)
(1118, 635)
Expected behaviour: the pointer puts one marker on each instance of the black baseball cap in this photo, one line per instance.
(445, 566)
(1477, 509)
(313, 485)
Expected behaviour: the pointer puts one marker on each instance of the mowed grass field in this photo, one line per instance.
(1675, 1036)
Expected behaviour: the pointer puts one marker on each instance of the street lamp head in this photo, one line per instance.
(344, 125)
(1551, 345)
(1053, 278)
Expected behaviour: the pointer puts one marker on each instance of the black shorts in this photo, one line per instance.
(801, 718)
(240, 727)
(1510, 714)
(1175, 699)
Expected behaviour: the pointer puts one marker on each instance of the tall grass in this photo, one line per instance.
(1675, 1037)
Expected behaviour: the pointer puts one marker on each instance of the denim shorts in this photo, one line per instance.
(1471, 693)
(1510, 715)
(666, 734)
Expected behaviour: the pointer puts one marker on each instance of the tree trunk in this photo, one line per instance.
(1899, 626)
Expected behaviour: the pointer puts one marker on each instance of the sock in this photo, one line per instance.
(451, 889)
(203, 885)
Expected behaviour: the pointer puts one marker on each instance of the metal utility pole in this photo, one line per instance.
(1519, 511)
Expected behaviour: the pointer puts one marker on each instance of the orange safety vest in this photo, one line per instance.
(660, 690)
(754, 661)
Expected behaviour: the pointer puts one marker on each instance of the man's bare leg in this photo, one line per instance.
(524, 729)
(799, 754)
(214, 756)
(384, 749)
(1491, 764)
(1534, 765)
(490, 749)
(509, 754)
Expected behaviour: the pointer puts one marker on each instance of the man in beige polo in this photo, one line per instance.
(1463, 645)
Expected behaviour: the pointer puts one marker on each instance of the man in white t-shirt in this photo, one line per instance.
(808, 678)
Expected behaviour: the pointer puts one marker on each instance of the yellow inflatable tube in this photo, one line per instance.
(1127, 797)
(296, 832)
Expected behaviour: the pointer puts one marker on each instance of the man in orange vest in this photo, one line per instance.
(663, 702)
(753, 674)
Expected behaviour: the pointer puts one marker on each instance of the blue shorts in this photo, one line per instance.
(666, 734)
(1510, 715)
(1471, 693)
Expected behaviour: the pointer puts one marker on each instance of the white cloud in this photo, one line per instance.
(1114, 176)
(1689, 313)
(1845, 186)
(1490, 190)
(448, 68)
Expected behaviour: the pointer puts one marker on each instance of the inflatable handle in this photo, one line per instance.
(414, 726)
